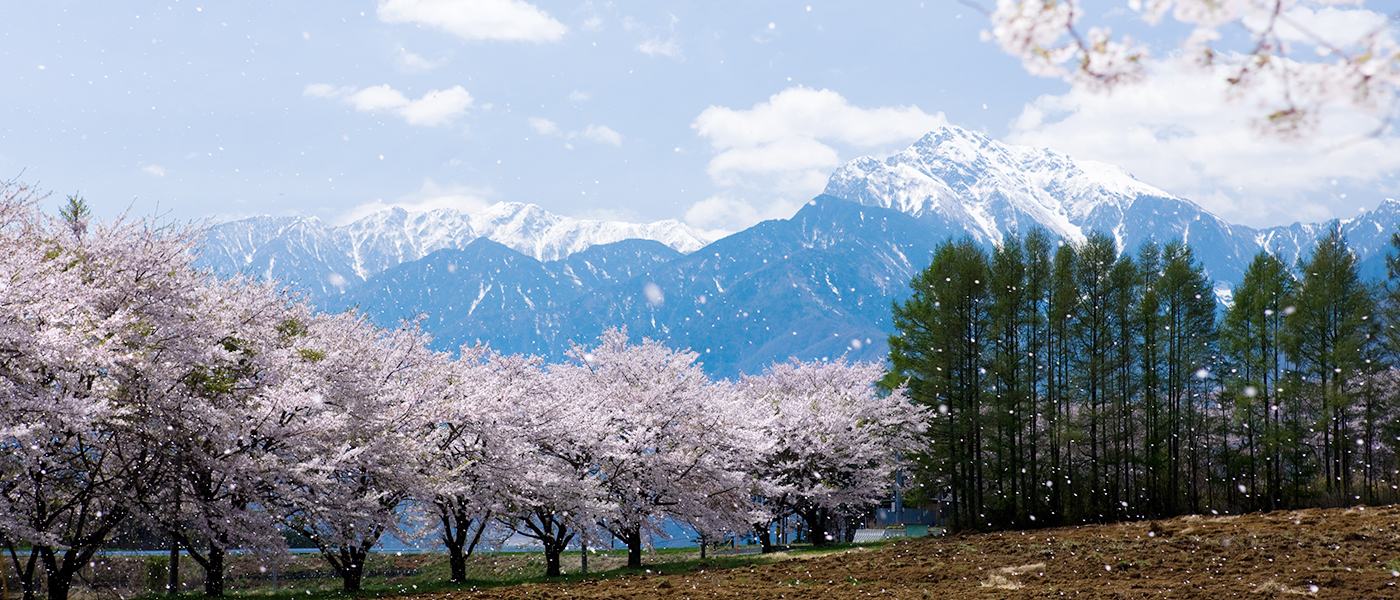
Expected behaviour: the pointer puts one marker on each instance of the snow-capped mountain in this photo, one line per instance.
(325, 261)
(817, 285)
(987, 188)
(962, 182)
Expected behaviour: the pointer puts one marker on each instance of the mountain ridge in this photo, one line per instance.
(815, 286)
(326, 260)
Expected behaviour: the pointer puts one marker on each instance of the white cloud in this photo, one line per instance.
(377, 98)
(601, 134)
(801, 117)
(578, 96)
(544, 126)
(655, 43)
(503, 20)
(1176, 132)
(785, 148)
(654, 46)
(411, 62)
(437, 107)
(155, 170)
(429, 197)
(722, 214)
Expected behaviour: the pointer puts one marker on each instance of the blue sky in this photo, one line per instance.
(716, 113)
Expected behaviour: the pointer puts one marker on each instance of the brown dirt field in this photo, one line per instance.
(1335, 553)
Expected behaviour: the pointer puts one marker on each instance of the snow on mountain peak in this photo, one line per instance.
(395, 235)
(988, 187)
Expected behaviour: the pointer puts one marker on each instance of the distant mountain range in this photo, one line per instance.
(328, 261)
(819, 284)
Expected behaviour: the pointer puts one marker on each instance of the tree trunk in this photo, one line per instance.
(551, 558)
(583, 555)
(352, 579)
(456, 526)
(214, 572)
(816, 526)
(633, 538)
(172, 582)
(25, 572)
(765, 539)
(459, 564)
(352, 573)
(58, 587)
(58, 578)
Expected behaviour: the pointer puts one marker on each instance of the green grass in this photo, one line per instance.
(483, 571)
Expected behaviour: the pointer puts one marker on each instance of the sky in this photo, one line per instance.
(717, 113)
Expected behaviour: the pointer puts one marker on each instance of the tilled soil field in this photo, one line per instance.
(1335, 553)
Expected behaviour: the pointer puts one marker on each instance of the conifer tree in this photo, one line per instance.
(1063, 306)
(1008, 386)
(1251, 336)
(940, 356)
(1035, 300)
(1187, 310)
(1329, 335)
(1093, 339)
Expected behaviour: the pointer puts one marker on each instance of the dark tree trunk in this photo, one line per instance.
(816, 526)
(59, 571)
(633, 538)
(58, 575)
(552, 551)
(456, 527)
(214, 571)
(172, 582)
(765, 538)
(552, 533)
(352, 570)
(347, 561)
(58, 587)
(25, 572)
(352, 579)
(459, 564)
(211, 561)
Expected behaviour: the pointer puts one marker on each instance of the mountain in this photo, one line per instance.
(492, 293)
(818, 285)
(326, 261)
(964, 182)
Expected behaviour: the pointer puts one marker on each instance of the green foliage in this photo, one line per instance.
(1099, 386)
(311, 355)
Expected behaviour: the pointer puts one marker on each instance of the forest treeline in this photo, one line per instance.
(1075, 383)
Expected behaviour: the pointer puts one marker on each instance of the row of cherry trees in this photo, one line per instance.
(138, 389)
(1077, 383)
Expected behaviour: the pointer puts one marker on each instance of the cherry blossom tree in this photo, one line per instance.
(1285, 54)
(221, 427)
(366, 402)
(833, 439)
(670, 447)
(554, 495)
(93, 317)
(478, 447)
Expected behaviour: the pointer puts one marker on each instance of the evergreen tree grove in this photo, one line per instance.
(1082, 383)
